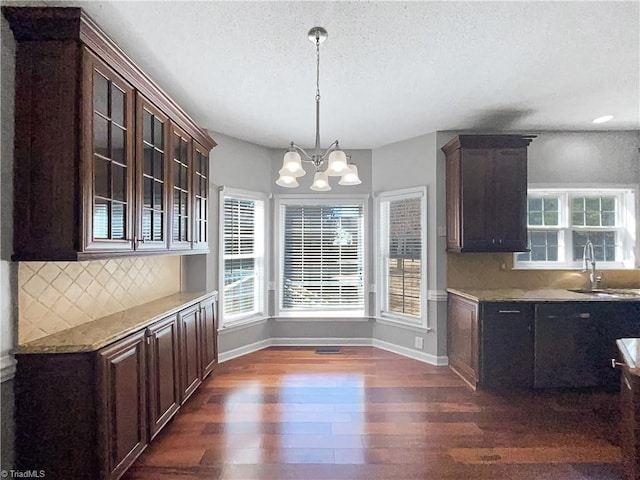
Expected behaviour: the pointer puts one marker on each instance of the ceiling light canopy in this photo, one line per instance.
(603, 119)
(333, 162)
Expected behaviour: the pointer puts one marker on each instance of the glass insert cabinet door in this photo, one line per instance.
(108, 127)
(152, 141)
(181, 190)
(201, 197)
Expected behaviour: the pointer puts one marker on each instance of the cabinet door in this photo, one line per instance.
(108, 156)
(151, 177)
(124, 409)
(164, 386)
(477, 214)
(209, 331)
(181, 236)
(454, 241)
(462, 337)
(630, 424)
(508, 200)
(507, 345)
(190, 351)
(200, 197)
(568, 347)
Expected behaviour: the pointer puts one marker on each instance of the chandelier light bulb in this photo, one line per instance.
(320, 182)
(351, 176)
(337, 163)
(287, 181)
(292, 164)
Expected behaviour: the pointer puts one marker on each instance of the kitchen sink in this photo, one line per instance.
(607, 292)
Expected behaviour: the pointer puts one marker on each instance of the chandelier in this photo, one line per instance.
(335, 160)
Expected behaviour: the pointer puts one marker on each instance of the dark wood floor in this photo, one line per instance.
(288, 413)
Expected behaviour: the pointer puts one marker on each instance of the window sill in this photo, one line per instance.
(397, 322)
(321, 314)
(243, 323)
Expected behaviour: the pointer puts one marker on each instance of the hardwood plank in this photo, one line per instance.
(287, 413)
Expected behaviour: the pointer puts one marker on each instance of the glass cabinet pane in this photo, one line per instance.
(117, 105)
(101, 176)
(100, 94)
(118, 144)
(101, 136)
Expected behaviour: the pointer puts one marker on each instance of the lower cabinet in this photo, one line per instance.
(630, 424)
(123, 413)
(534, 344)
(568, 346)
(163, 373)
(507, 345)
(190, 351)
(209, 335)
(89, 415)
(462, 338)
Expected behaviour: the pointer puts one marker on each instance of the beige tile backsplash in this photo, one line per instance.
(54, 296)
(494, 270)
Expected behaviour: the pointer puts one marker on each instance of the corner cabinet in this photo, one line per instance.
(96, 148)
(486, 178)
(89, 415)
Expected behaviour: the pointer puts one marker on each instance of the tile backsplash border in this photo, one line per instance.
(55, 296)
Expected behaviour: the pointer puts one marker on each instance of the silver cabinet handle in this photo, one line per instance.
(615, 363)
(509, 311)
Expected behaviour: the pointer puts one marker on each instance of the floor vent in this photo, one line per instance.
(327, 350)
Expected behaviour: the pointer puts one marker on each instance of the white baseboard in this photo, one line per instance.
(244, 350)
(411, 353)
(324, 341)
(7, 368)
(327, 341)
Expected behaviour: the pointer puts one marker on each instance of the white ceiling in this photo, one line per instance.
(389, 70)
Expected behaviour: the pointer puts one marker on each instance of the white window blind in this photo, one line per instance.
(401, 246)
(243, 255)
(322, 256)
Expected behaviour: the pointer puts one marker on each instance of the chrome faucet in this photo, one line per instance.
(589, 256)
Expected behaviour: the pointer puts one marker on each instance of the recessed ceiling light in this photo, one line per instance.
(603, 119)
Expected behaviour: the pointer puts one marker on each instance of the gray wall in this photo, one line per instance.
(585, 158)
(411, 163)
(8, 269)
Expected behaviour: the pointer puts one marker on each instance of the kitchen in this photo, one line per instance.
(557, 157)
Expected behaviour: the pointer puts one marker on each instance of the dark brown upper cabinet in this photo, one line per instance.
(487, 193)
(95, 150)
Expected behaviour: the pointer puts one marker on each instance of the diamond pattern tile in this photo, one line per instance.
(54, 296)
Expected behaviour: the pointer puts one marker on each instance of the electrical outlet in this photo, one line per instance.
(419, 343)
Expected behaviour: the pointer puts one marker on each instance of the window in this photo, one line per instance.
(242, 248)
(561, 221)
(321, 257)
(402, 270)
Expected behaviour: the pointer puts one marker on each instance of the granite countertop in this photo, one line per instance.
(547, 295)
(98, 333)
(630, 349)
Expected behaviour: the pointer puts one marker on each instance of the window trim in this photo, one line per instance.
(628, 197)
(261, 310)
(315, 199)
(391, 317)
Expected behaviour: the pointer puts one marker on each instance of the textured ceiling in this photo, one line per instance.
(389, 70)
